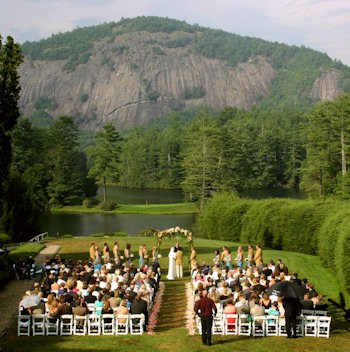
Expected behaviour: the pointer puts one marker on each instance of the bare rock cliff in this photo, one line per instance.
(326, 87)
(129, 86)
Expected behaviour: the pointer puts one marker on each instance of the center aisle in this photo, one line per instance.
(173, 310)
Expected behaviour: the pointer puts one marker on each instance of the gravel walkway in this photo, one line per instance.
(12, 293)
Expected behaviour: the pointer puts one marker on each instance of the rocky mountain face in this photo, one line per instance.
(131, 79)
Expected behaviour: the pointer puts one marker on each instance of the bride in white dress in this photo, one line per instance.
(171, 269)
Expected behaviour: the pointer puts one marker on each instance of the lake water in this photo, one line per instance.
(132, 224)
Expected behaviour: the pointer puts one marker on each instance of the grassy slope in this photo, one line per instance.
(177, 338)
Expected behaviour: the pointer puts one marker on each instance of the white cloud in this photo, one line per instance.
(319, 24)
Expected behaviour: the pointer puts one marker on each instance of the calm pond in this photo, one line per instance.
(86, 224)
(132, 224)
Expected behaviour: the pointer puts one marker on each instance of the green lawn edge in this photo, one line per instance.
(157, 209)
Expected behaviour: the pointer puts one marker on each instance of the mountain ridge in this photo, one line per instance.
(138, 69)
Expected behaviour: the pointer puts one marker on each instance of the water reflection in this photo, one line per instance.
(132, 224)
(141, 196)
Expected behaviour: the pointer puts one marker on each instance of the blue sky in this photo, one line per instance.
(323, 25)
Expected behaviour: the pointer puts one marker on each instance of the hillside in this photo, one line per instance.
(138, 69)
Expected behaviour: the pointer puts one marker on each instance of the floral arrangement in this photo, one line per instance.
(172, 232)
(152, 320)
(190, 326)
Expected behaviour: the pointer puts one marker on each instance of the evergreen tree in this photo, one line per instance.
(105, 157)
(29, 160)
(202, 161)
(66, 184)
(10, 59)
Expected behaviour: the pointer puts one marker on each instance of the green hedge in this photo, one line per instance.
(305, 226)
(222, 217)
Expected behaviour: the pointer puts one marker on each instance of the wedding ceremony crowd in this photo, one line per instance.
(109, 283)
(235, 294)
(247, 296)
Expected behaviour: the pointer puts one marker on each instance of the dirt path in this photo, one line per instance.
(172, 313)
(12, 293)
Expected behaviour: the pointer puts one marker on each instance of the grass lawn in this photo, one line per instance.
(156, 209)
(169, 337)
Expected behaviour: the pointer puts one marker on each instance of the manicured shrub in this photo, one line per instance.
(109, 205)
(342, 254)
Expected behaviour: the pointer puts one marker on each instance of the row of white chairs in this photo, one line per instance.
(92, 324)
(270, 325)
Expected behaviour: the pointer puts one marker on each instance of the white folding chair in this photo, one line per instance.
(136, 324)
(320, 313)
(310, 325)
(24, 325)
(218, 325)
(94, 324)
(108, 324)
(244, 325)
(231, 324)
(271, 327)
(305, 312)
(282, 327)
(300, 326)
(122, 324)
(51, 325)
(38, 324)
(258, 326)
(79, 325)
(199, 325)
(91, 307)
(66, 325)
(323, 326)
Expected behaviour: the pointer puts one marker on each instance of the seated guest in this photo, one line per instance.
(273, 310)
(257, 310)
(230, 309)
(307, 303)
(122, 310)
(139, 306)
(265, 301)
(107, 309)
(80, 308)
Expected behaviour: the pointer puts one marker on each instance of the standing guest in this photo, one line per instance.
(92, 252)
(105, 253)
(216, 258)
(205, 307)
(258, 257)
(179, 262)
(291, 311)
(193, 258)
(223, 256)
(239, 257)
(141, 258)
(155, 254)
(228, 260)
(250, 257)
(127, 253)
(116, 252)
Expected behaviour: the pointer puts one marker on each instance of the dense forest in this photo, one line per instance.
(200, 152)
